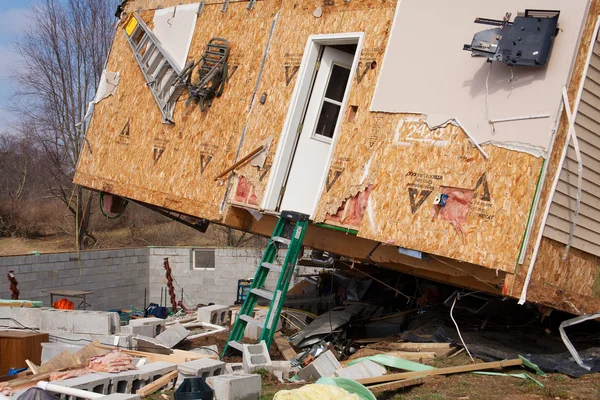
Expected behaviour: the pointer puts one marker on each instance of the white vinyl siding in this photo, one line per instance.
(587, 128)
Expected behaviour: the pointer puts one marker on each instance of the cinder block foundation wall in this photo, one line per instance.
(215, 278)
(118, 278)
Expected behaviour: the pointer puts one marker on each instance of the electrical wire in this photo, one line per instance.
(458, 330)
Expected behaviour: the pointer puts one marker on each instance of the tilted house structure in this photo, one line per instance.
(369, 116)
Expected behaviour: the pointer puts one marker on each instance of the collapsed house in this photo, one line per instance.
(477, 168)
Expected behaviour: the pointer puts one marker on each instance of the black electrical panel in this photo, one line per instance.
(526, 41)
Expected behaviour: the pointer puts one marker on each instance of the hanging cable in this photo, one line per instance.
(458, 330)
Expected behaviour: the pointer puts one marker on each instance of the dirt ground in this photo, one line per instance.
(466, 386)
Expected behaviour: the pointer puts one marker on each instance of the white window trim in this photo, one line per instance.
(194, 268)
(295, 111)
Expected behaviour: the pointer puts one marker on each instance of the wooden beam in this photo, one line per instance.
(438, 268)
(385, 387)
(157, 384)
(285, 348)
(441, 371)
(241, 161)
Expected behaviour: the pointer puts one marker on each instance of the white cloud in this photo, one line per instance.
(14, 21)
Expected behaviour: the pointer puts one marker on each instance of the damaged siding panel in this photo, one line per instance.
(587, 128)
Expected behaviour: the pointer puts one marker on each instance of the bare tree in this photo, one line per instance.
(64, 51)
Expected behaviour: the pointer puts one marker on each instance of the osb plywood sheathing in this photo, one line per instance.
(411, 163)
(296, 23)
(174, 166)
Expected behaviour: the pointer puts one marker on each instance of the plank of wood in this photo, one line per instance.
(177, 357)
(157, 384)
(395, 385)
(413, 356)
(34, 368)
(24, 383)
(240, 162)
(284, 347)
(441, 371)
(418, 346)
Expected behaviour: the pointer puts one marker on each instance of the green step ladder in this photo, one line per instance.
(288, 221)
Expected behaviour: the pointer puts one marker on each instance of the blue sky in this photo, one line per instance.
(14, 17)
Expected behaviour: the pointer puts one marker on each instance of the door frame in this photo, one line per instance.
(302, 89)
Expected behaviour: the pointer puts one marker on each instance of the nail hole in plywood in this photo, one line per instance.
(352, 110)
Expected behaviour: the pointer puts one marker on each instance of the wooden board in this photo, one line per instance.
(442, 371)
(386, 387)
(284, 347)
(157, 384)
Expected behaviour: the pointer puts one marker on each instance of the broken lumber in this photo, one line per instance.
(284, 347)
(176, 357)
(395, 385)
(32, 367)
(157, 384)
(242, 161)
(441, 371)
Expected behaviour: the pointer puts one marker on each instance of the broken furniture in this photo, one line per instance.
(212, 73)
(277, 297)
(526, 42)
(18, 346)
(78, 294)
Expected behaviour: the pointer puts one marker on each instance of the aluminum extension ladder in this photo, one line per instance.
(161, 72)
(286, 270)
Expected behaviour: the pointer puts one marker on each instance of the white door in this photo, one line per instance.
(310, 160)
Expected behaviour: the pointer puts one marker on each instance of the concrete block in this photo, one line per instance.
(28, 317)
(234, 368)
(323, 367)
(173, 335)
(203, 367)
(157, 369)
(236, 386)
(80, 322)
(364, 369)
(284, 367)
(129, 381)
(56, 320)
(96, 322)
(211, 350)
(152, 327)
(97, 383)
(256, 356)
(122, 340)
(199, 368)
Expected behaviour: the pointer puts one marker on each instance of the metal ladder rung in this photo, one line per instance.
(158, 70)
(264, 293)
(282, 240)
(143, 41)
(272, 267)
(252, 321)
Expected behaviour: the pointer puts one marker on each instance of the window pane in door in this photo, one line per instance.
(337, 83)
(327, 119)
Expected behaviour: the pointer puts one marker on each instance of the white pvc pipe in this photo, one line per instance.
(84, 394)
